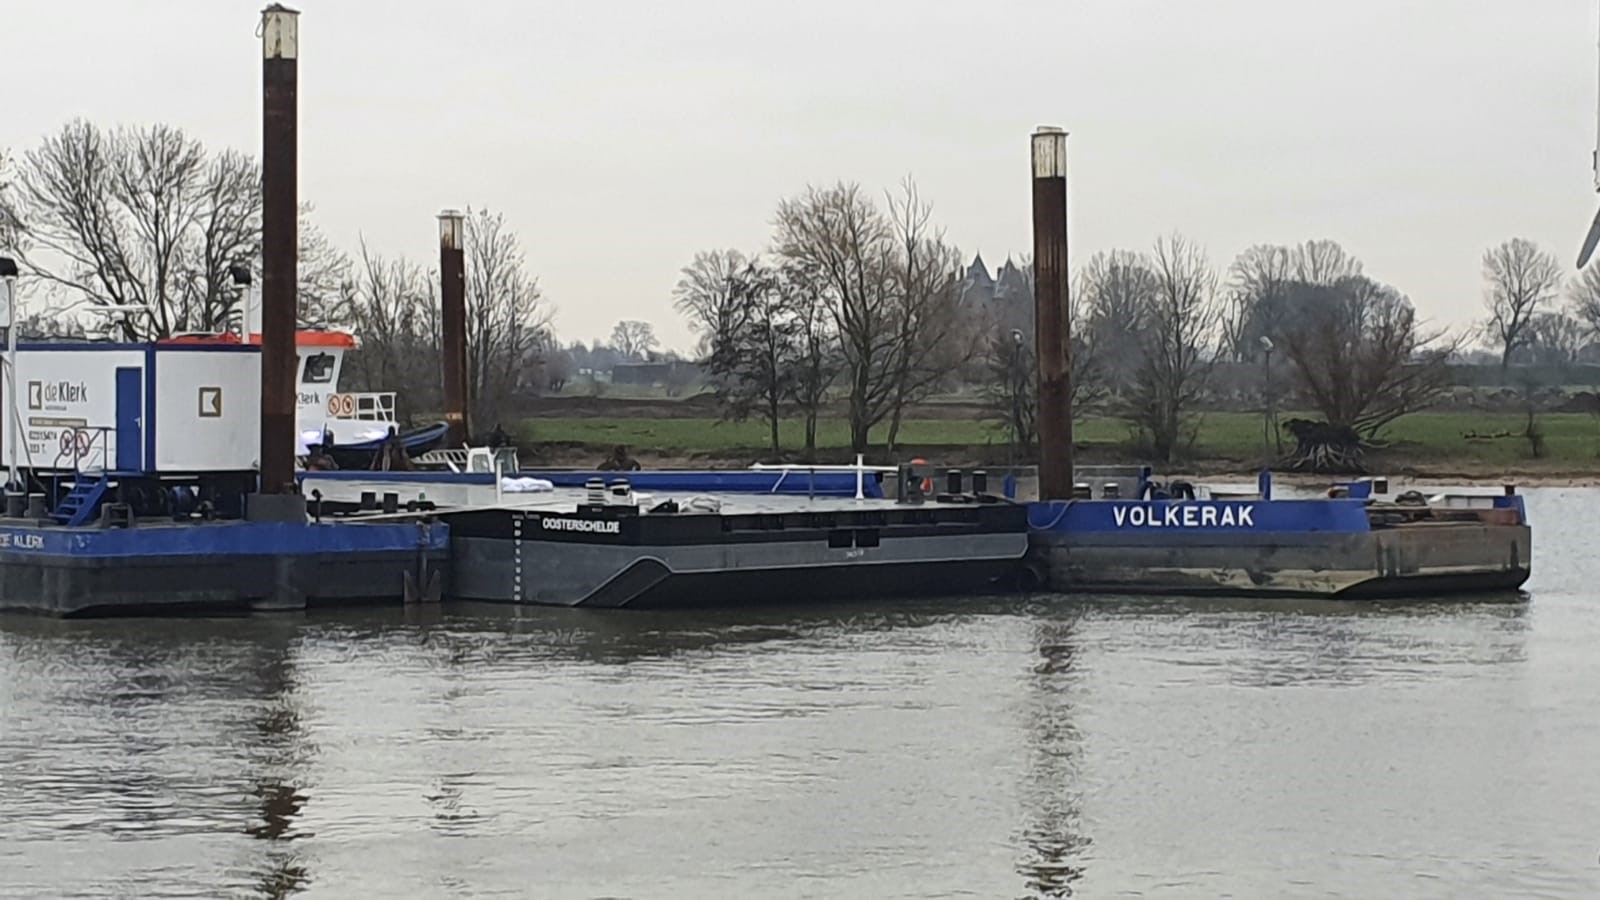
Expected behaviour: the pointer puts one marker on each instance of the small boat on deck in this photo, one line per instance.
(417, 442)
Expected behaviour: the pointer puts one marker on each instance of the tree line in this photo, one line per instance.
(148, 219)
(860, 300)
(856, 298)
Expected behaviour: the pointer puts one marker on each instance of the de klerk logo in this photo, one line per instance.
(211, 403)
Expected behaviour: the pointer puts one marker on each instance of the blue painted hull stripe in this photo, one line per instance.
(230, 539)
(1154, 518)
(1166, 519)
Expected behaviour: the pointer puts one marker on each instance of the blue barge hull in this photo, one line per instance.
(216, 566)
(1343, 547)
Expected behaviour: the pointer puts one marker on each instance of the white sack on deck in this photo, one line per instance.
(525, 485)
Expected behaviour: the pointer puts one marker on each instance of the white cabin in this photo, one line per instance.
(134, 408)
(320, 407)
(188, 404)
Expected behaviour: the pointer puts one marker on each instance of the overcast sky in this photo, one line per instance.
(620, 137)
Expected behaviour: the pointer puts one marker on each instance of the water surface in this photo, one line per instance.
(983, 747)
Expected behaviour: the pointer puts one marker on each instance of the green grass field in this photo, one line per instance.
(1424, 440)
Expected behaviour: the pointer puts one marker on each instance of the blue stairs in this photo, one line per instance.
(80, 503)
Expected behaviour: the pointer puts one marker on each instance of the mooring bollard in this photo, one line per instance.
(952, 481)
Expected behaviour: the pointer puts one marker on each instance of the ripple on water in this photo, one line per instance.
(984, 747)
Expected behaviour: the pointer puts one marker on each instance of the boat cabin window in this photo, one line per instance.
(319, 369)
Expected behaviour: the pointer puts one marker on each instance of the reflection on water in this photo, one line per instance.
(280, 755)
(1052, 841)
(994, 747)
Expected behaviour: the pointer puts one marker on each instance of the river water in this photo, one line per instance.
(984, 747)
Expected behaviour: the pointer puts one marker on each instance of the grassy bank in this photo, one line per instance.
(1424, 442)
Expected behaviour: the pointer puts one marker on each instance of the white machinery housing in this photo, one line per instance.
(153, 409)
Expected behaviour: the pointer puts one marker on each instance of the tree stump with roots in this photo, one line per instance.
(1324, 449)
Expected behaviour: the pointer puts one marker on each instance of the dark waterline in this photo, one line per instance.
(987, 747)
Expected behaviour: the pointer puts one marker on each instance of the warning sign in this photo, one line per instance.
(75, 444)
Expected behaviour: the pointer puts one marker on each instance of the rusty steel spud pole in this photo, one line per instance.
(280, 40)
(1052, 323)
(453, 324)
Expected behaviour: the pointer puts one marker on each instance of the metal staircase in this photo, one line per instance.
(81, 503)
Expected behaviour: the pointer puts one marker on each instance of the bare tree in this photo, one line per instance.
(10, 232)
(1555, 339)
(144, 217)
(507, 322)
(1322, 262)
(1091, 393)
(227, 232)
(1254, 300)
(321, 274)
(105, 216)
(1360, 360)
(1010, 389)
(754, 350)
(634, 340)
(817, 360)
(842, 245)
(1115, 292)
(886, 279)
(390, 303)
(1522, 280)
(1177, 329)
(934, 336)
(1257, 281)
(703, 292)
(769, 347)
(1008, 377)
(1583, 299)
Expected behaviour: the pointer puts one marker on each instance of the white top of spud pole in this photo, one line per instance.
(1049, 152)
(450, 229)
(280, 32)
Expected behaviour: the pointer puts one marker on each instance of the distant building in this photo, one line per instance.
(975, 285)
(1006, 300)
(645, 374)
